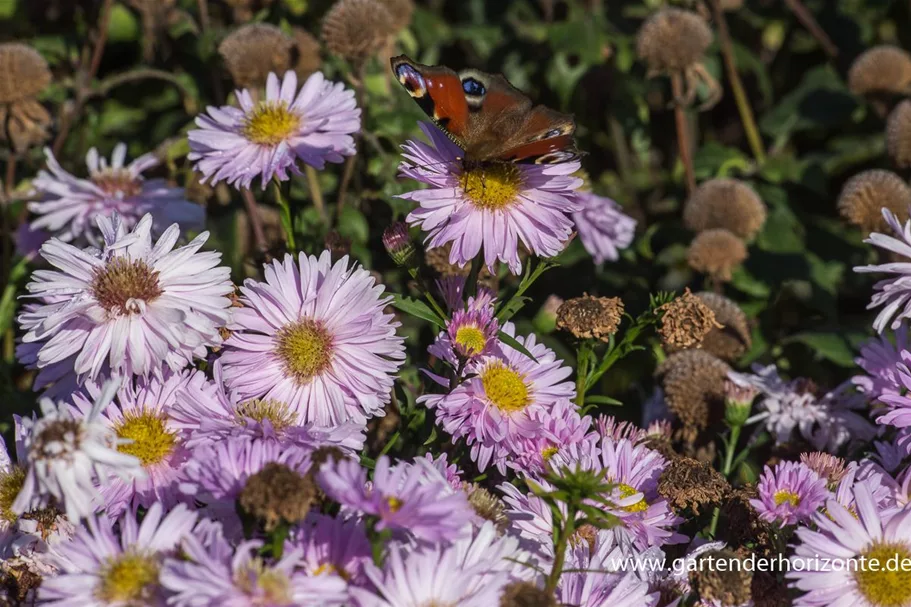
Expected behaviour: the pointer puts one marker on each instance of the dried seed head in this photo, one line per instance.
(728, 585)
(400, 11)
(25, 124)
(672, 40)
(23, 72)
(277, 494)
(357, 29)
(898, 134)
(827, 466)
(744, 524)
(245, 9)
(716, 252)
(725, 203)
(865, 195)
(685, 322)
(691, 485)
(590, 317)
(526, 594)
(693, 384)
(252, 51)
(881, 69)
(733, 340)
(488, 506)
(305, 55)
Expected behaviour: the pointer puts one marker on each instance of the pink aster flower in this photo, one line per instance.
(219, 575)
(132, 308)
(503, 400)
(314, 336)
(140, 417)
(491, 207)
(879, 357)
(206, 413)
(897, 411)
(790, 493)
(841, 534)
(603, 227)
(100, 568)
(894, 293)
(593, 578)
(412, 497)
(332, 546)
(559, 428)
(266, 139)
(471, 333)
(69, 206)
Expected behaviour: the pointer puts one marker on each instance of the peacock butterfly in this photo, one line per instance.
(486, 116)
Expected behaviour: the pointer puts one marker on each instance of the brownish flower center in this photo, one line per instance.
(305, 348)
(123, 284)
(492, 187)
(117, 182)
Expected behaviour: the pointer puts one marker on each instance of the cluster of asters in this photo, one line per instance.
(198, 446)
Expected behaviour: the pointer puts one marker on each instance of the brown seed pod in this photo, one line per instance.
(25, 124)
(898, 134)
(689, 484)
(725, 203)
(693, 385)
(526, 594)
(252, 51)
(733, 340)
(865, 195)
(685, 322)
(590, 317)
(881, 69)
(306, 57)
(357, 29)
(23, 72)
(400, 11)
(726, 585)
(716, 252)
(672, 40)
(276, 494)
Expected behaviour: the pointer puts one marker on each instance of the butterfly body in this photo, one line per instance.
(491, 120)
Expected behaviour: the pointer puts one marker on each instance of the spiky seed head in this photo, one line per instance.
(24, 124)
(881, 69)
(865, 195)
(23, 72)
(252, 51)
(716, 252)
(589, 317)
(305, 55)
(400, 11)
(685, 321)
(693, 385)
(725, 203)
(673, 39)
(898, 134)
(357, 29)
(733, 340)
(689, 484)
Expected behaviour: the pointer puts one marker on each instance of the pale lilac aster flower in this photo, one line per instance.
(452, 289)
(469, 573)
(492, 207)
(897, 411)
(314, 336)
(884, 490)
(100, 568)
(221, 576)
(894, 293)
(133, 307)
(404, 497)
(499, 405)
(891, 454)
(70, 206)
(790, 493)
(610, 427)
(207, 412)
(603, 227)
(266, 139)
(829, 467)
(66, 457)
(560, 427)
(842, 534)
(594, 578)
(471, 333)
(332, 547)
(879, 357)
(140, 417)
(450, 472)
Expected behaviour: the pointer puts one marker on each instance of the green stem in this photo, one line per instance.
(287, 223)
(426, 292)
(560, 550)
(583, 358)
(316, 194)
(732, 447)
(277, 539)
(505, 313)
(474, 275)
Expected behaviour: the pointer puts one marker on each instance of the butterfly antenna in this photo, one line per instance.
(433, 164)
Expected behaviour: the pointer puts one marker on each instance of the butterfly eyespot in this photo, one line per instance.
(473, 87)
(552, 133)
(411, 79)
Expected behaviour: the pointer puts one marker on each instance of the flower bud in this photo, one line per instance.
(399, 246)
(738, 402)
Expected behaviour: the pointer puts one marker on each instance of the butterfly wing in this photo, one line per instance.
(438, 91)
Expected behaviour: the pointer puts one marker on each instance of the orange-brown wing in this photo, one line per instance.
(438, 91)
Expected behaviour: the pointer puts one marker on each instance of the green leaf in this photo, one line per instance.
(831, 346)
(352, 224)
(513, 343)
(417, 309)
(510, 308)
(602, 400)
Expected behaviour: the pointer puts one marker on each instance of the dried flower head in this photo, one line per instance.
(881, 69)
(400, 11)
(728, 585)
(488, 506)
(716, 252)
(672, 40)
(688, 484)
(693, 384)
(743, 522)
(24, 124)
(685, 321)
(865, 195)
(898, 134)
(725, 203)
(277, 494)
(357, 29)
(827, 466)
(590, 317)
(23, 72)
(253, 51)
(733, 340)
(305, 55)
(526, 594)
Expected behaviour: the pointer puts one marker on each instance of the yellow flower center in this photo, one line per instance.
(786, 497)
(627, 491)
(122, 283)
(493, 186)
(278, 413)
(152, 441)
(505, 388)
(11, 483)
(394, 503)
(270, 123)
(549, 452)
(886, 584)
(270, 586)
(305, 348)
(130, 578)
(471, 339)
